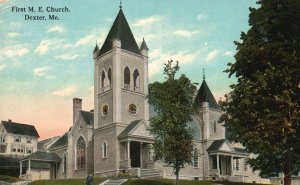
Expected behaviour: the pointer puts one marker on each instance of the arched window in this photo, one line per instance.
(80, 153)
(195, 157)
(109, 76)
(127, 78)
(102, 79)
(136, 80)
(104, 150)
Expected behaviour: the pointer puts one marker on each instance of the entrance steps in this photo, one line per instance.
(149, 173)
(114, 182)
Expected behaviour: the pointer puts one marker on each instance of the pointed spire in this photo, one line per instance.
(120, 6)
(203, 74)
(96, 47)
(144, 45)
(120, 30)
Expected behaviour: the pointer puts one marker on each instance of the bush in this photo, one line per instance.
(8, 178)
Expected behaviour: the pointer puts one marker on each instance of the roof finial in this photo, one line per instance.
(203, 74)
(120, 4)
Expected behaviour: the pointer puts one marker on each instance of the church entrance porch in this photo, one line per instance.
(135, 141)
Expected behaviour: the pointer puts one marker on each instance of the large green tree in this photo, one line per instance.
(263, 108)
(173, 102)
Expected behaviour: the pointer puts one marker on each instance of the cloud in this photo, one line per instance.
(228, 53)
(212, 55)
(46, 44)
(160, 58)
(40, 71)
(185, 33)
(147, 21)
(2, 66)
(67, 56)
(86, 40)
(14, 51)
(201, 17)
(13, 34)
(66, 91)
(57, 29)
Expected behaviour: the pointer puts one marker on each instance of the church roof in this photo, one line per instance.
(18, 128)
(216, 146)
(62, 141)
(120, 30)
(204, 95)
(88, 117)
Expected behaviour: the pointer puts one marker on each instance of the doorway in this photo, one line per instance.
(135, 151)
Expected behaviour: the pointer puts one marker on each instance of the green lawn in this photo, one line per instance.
(9, 179)
(97, 180)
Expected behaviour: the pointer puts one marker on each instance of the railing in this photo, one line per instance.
(125, 163)
(126, 86)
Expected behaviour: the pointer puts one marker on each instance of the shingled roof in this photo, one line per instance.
(43, 156)
(120, 30)
(88, 117)
(204, 95)
(62, 141)
(19, 128)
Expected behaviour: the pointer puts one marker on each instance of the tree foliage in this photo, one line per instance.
(173, 102)
(263, 108)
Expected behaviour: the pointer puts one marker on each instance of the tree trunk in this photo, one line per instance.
(177, 176)
(287, 173)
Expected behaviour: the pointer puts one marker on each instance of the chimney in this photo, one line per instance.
(9, 120)
(77, 106)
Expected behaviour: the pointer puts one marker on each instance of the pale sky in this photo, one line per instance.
(44, 64)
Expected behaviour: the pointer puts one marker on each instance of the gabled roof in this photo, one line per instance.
(43, 156)
(223, 145)
(216, 145)
(62, 141)
(204, 95)
(129, 128)
(88, 117)
(120, 30)
(19, 128)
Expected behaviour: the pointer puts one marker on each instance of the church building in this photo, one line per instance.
(114, 138)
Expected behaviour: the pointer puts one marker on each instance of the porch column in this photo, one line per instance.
(231, 164)
(128, 154)
(218, 165)
(141, 155)
(21, 166)
(29, 166)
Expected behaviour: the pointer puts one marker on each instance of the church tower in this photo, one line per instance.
(120, 90)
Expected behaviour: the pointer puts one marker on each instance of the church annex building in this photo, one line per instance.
(114, 139)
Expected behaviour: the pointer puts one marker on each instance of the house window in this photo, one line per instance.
(126, 78)
(80, 153)
(65, 163)
(136, 80)
(28, 139)
(195, 157)
(2, 139)
(215, 126)
(237, 165)
(132, 109)
(18, 139)
(29, 150)
(13, 148)
(245, 165)
(104, 150)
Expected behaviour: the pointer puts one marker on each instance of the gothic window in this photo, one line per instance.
(109, 76)
(127, 78)
(104, 150)
(80, 153)
(102, 79)
(65, 163)
(136, 80)
(195, 158)
(105, 110)
(132, 109)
